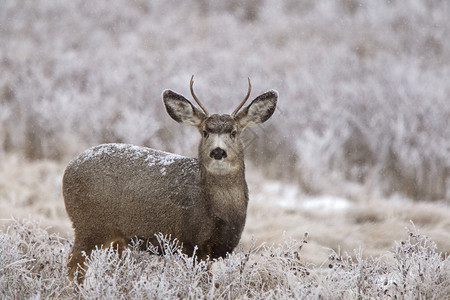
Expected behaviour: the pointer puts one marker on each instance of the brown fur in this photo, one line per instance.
(115, 192)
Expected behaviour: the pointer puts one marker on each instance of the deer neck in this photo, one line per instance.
(226, 195)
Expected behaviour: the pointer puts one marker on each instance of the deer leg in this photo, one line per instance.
(77, 259)
(116, 242)
(75, 264)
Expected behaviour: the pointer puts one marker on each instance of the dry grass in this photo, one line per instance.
(32, 190)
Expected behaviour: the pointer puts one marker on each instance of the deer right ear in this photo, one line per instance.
(181, 110)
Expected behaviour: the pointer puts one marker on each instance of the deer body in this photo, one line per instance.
(115, 192)
(134, 186)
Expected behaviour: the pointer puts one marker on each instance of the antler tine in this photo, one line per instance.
(243, 101)
(195, 97)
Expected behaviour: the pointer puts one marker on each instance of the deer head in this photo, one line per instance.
(220, 149)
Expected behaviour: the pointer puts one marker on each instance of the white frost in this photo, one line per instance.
(290, 196)
(163, 171)
(326, 203)
(131, 152)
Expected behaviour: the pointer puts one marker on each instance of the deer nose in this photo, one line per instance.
(218, 153)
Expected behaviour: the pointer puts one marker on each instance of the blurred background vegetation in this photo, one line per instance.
(364, 85)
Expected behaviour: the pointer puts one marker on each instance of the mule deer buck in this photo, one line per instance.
(116, 192)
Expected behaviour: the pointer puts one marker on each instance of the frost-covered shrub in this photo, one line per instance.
(33, 266)
(417, 272)
(143, 275)
(363, 84)
(422, 273)
(32, 262)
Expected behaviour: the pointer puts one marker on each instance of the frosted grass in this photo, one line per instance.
(32, 266)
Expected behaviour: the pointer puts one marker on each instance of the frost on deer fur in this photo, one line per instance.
(182, 172)
(151, 157)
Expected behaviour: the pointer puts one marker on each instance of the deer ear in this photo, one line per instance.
(181, 110)
(259, 111)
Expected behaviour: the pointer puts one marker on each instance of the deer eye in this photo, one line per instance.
(233, 134)
(205, 134)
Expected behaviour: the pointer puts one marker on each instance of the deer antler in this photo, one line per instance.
(243, 101)
(195, 97)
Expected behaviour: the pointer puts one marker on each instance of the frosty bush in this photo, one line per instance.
(33, 265)
(363, 85)
(32, 262)
(417, 272)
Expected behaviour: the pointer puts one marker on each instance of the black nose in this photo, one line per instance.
(218, 154)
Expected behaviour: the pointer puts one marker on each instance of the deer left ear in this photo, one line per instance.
(259, 111)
